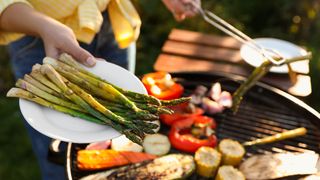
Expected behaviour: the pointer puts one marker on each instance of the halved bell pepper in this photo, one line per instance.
(190, 134)
(181, 111)
(162, 86)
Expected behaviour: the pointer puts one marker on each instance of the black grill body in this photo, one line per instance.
(264, 111)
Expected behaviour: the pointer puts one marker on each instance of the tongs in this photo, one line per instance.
(269, 54)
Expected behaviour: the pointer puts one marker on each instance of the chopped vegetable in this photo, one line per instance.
(156, 144)
(198, 94)
(102, 159)
(225, 99)
(190, 134)
(207, 161)
(173, 166)
(278, 137)
(122, 143)
(229, 173)
(161, 85)
(232, 152)
(215, 91)
(213, 101)
(211, 107)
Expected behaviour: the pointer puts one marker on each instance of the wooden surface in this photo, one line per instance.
(188, 51)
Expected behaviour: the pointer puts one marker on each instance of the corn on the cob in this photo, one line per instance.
(207, 160)
(229, 173)
(232, 152)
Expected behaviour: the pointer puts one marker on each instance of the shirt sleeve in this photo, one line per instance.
(7, 37)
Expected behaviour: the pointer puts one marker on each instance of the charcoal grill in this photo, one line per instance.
(264, 111)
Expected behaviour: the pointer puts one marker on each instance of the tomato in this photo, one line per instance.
(161, 86)
(181, 138)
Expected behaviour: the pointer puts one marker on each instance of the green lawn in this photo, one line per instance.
(17, 159)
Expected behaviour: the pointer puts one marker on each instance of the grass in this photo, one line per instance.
(16, 155)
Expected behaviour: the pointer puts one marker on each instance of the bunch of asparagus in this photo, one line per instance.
(65, 86)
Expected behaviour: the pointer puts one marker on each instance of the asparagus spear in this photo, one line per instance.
(71, 62)
(251, 81)
(257, 74)
(29, 87)
(38, 76)
(278, 137)
(20, 93)
(38, 84)
(174, 102)
(148, 107)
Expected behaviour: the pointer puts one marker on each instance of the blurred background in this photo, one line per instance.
(296, 21)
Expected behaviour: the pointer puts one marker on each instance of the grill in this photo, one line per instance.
(264, 111)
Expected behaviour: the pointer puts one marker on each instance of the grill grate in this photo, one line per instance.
(263, 112)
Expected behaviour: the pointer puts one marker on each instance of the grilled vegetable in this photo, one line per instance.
(102, 159)
(181, 111)
(255, 76)
(173, 166)
(273, 166)
(207, 160)
(157, 144)
(190, 134)
(20, 93)
(161, 85)
(229, 173)
(232, 152)
(122, 143)
(278, 137)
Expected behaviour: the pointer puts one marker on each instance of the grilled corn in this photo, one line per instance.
(232, 152)
(207, 160)
(229, 173)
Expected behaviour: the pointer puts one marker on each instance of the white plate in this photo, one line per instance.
(285, 48)
(71, 129)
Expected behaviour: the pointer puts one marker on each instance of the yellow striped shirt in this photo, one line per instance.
(84, 18)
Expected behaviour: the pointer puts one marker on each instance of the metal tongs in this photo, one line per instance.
(272, 55)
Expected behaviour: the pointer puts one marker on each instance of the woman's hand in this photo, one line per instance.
(57, 37)
(182, 9)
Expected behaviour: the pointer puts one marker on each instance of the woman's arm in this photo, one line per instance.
(57, 37)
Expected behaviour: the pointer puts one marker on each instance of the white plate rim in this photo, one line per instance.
(280, 69)
(30, 109)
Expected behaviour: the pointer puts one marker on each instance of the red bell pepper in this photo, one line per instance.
(182, 138)
(180, 112)
(161, 86)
